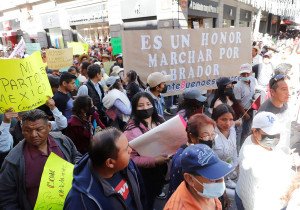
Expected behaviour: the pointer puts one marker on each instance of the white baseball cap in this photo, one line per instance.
(156, 78)
(268, 122)
(245, 68)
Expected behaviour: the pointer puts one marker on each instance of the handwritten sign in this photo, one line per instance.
(193, 58)
(24, 84)
(55, 184)
(57, 59)
(32, 47)
(78, 48)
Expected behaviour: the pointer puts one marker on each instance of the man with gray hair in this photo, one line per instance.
(22, 169)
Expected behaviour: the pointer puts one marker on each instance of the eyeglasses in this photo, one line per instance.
(277, 78)
(207, 136)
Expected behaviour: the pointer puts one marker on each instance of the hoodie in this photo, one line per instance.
(90, 191)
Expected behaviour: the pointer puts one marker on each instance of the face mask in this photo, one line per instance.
(91, 111)
(144, 113)
(164, 90)
(208, 143)
(269, 141)
(245, 79)
(228, 91)
(211, 190)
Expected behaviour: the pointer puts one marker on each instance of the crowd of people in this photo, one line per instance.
(239, 137)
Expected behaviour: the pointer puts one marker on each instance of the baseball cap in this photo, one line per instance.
(116, 70)
(111, 80)
(268, 122)
(223, 81)
(245, 68)
(119, 56)
(156, 78)
(200, 160)
(194, 93)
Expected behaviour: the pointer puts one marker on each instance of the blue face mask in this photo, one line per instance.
(245, 79)
(211, 190)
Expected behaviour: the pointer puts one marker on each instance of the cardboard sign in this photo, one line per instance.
(24, 84)
(57, 59)
(116, 44)
(194, 58)
(78, 47)
(55, 184)
(32, 47)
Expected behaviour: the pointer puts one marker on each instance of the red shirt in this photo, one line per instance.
(34, 165)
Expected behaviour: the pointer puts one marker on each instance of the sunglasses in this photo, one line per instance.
(277, 78)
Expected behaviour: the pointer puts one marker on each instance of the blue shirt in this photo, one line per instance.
(159, 103)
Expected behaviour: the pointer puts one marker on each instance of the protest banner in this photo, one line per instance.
(55, 184)
(59, 58)
(194, 58)
(116, 43)
(78, 48)
(163, 139)
(19, 50)
(85, 47)
(24, 84)
(32, 47)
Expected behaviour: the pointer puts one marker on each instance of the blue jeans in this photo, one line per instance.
(238, 202)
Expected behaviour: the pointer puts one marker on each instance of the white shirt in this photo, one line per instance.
(257, 60)
(244, 92)
(264, 177)
(225, 148)
(83, 90)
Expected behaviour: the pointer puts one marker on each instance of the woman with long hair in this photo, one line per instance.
(224, 95)
(144, 117)
(134, 84)
(80, 129)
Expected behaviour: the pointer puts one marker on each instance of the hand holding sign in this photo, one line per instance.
(24, 84)
(162, 140)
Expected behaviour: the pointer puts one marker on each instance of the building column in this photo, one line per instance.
(220, 16)
(237, 18)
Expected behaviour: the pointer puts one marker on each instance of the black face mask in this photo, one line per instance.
(208, 143)
(164, 90)
(144, 113)
(228, 91)
(91, 111)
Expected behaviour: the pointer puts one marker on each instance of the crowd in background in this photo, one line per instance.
(240, 136)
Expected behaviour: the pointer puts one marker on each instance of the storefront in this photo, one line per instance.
(90, 22)
(229, 16)
(263, 26)
(51, 24)
(202, 14)
(245, 18)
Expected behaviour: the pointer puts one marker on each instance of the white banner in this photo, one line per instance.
(163, 139)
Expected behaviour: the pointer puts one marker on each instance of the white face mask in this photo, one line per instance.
(211, 190)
